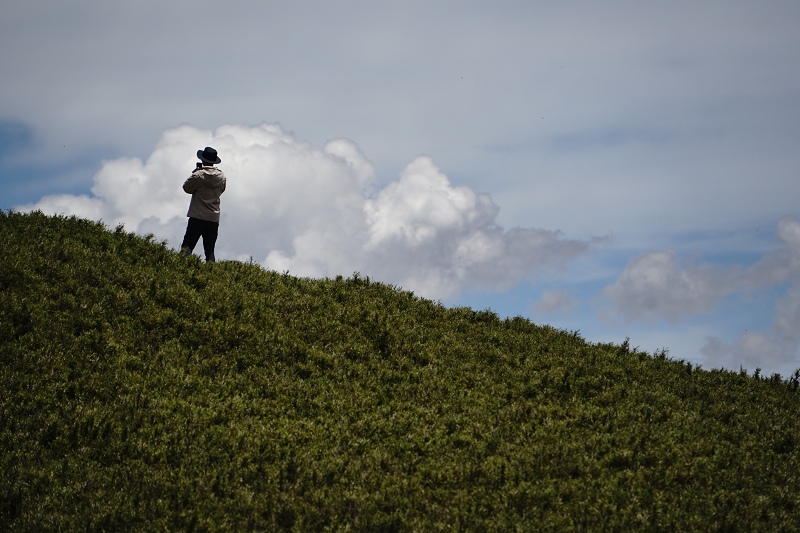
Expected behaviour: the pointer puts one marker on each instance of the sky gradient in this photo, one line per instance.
(623, 169)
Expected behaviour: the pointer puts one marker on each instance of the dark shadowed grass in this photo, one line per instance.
(141, 390)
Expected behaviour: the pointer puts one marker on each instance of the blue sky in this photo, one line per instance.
(624, 169)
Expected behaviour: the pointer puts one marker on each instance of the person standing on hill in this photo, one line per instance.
(206, 185)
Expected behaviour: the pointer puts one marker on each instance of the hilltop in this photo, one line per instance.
(143, 390)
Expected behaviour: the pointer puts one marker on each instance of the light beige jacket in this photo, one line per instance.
(205, 185)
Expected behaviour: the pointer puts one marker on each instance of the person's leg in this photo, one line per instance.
(210, 232)
(194, 229)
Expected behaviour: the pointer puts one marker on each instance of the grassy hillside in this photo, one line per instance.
(145, 391)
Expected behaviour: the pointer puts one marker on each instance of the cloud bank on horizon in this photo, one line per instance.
(318, 212)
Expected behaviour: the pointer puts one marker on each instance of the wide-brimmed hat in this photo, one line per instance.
(209, 155)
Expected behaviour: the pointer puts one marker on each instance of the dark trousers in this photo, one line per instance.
(197, 228)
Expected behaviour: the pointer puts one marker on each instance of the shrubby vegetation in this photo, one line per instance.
(142, 390)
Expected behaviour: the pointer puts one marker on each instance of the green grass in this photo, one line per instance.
(145, 391)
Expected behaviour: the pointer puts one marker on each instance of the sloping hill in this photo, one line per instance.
(142, 390)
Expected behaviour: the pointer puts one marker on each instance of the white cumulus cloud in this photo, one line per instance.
(779, 347)
(320, 212)
(553, 302)
(656, 285)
